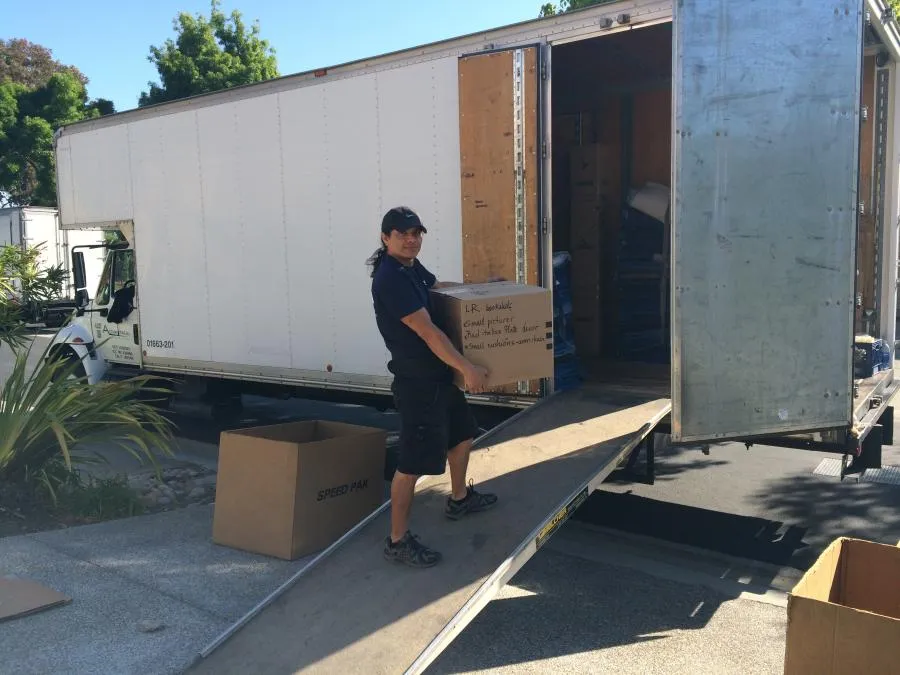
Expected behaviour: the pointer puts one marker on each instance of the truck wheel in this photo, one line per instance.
(67, 358)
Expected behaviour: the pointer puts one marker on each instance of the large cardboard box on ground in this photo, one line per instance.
(844, 614)
(288, 490)
(503, 326)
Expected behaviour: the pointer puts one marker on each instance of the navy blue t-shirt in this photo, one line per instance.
(398, 291)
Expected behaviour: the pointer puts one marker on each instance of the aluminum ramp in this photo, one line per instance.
(350, 611)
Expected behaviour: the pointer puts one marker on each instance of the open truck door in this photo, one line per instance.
(500, 139)
(765, 173)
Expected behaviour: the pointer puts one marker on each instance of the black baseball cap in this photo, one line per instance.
(402, 219)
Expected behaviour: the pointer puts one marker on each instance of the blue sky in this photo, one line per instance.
(109, 41)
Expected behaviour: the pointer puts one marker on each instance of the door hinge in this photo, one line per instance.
(543, 149)
(543, 71)
(865, 113)
(545, 225)
(137, 335)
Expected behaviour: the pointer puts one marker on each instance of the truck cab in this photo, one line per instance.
(105, 328)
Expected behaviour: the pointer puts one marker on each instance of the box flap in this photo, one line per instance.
(497, 289)
(821, 580)
(870, 578)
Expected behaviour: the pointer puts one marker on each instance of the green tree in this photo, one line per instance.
(37, 95)
(551, 9)
(31, 64)
(28, 119)
(209, 55)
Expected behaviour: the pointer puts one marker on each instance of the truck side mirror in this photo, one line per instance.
(80, 278)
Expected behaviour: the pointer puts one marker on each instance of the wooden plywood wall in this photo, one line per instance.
(488, 170)
(487, 146)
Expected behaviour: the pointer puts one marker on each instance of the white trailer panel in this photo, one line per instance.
(307, 251)
(169, 228)
(96, 177)
(253, 218)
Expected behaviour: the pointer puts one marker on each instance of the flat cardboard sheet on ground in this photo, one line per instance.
(20, 597)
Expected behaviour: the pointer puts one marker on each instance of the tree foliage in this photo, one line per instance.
(37, 96)
(31, 64)
(29, 116)
(551, 9)
(209, 55)
(35, 285)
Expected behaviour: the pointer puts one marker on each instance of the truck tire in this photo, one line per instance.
(68, 357)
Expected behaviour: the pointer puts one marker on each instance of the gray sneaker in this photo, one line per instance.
(410, 551)
(473, 502)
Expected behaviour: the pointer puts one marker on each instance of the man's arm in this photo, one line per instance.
(438, 342)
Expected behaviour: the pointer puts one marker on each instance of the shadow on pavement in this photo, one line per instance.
(757, 539)
(558, 606)
(833, 508)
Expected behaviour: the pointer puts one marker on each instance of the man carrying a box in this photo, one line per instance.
(437, 427)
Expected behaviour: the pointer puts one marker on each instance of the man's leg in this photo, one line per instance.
(403, 487)
(458, 460)
(464, 499)
(422, 451)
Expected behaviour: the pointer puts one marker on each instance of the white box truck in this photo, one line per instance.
(249, 213)
(26, 226)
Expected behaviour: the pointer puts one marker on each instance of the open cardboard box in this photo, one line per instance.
(288, 490)
(844, 614)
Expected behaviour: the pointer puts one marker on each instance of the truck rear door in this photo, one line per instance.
(499, 100)
(767, 110)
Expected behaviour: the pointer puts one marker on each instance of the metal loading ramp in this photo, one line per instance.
(351, 611)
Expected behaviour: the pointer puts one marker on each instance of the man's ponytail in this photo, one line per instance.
(375, 259)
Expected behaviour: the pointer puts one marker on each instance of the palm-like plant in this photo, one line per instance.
(48, 411)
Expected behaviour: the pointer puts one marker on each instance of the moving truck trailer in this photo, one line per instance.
(249, 213)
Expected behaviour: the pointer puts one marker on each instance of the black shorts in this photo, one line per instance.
(434, 418)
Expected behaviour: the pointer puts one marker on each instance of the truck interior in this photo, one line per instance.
(611, 133)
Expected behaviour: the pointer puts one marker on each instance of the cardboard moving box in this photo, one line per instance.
(288, 490)
(844, 614)
(505, 327)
